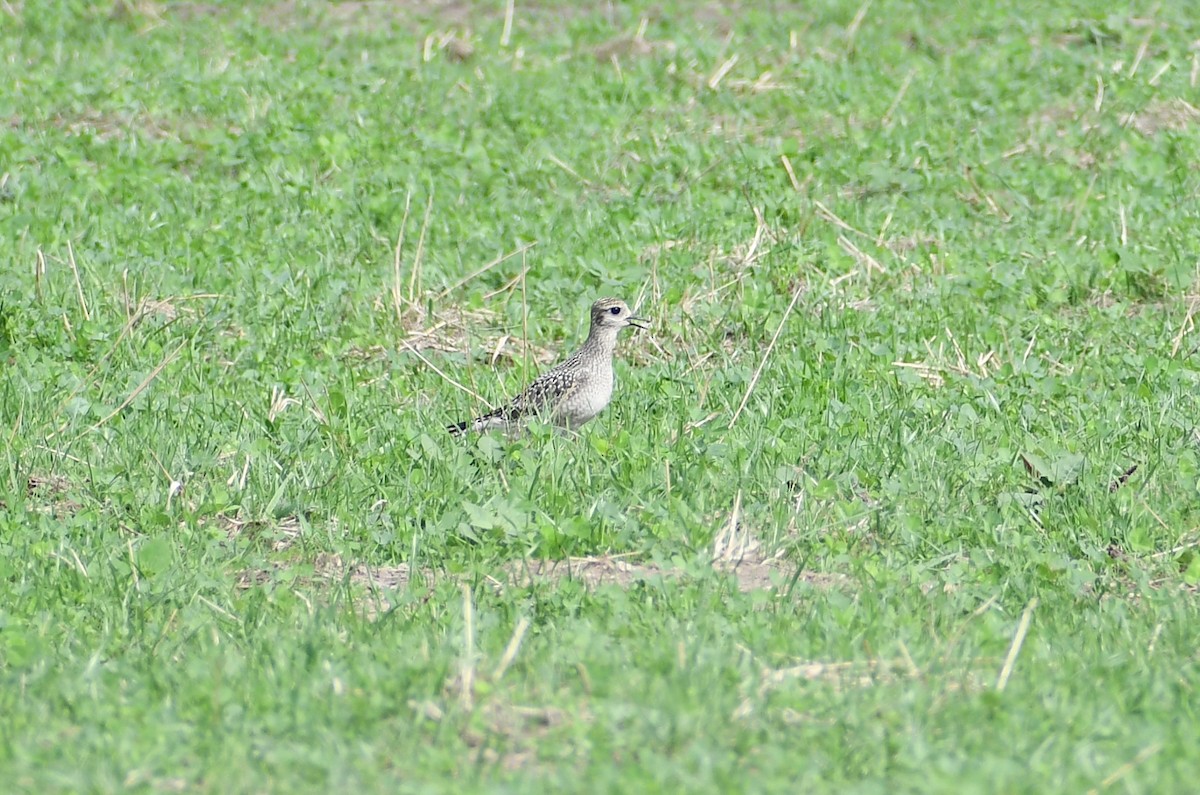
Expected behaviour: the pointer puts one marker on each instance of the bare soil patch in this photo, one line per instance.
(282, 533)
(103, 126)
(48, 493)
(500, 732)
(636, 46)
(736, 552)
(1173, 115)
(592, 571)
(751, 573)
(971, 676)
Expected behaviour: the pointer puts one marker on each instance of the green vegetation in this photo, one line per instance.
(925, 287)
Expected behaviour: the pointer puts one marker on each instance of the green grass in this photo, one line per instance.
(991, 232)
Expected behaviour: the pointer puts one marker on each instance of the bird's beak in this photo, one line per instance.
(637, 322)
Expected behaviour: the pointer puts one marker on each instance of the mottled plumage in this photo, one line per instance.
(574, 391)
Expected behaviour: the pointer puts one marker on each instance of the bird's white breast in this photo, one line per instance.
(589, 399)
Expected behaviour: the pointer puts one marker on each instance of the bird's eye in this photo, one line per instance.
(616, 310)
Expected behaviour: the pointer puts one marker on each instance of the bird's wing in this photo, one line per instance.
(541, 395)
(545, 392)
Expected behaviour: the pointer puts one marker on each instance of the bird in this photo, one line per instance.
(577, 389)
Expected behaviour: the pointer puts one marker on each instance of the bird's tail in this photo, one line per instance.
(495, 419)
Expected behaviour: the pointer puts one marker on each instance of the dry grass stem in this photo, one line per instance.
(1127, 768)
(887, 116)
(39, 274)
(856, 23)
(508, 287)
(864, 259)
(524, 321)
(446, 377)
(16, 428)
(145, 307)
(397, 297)
(1162, 70)
(825, 214)
(476, 274)
(509, 12)
(1015, 648)
(1187, 326)
(791, 172)
(140, 387)
(1179, 548)
(1141, 54)
(468, 663)
(453, 329)
(510, 651)
(414, 277)
(991, 203)
(730, 546)
(556, 161)
(767, 354)
(880, 239)
(78, 282)
(721, 71)
(940, 363)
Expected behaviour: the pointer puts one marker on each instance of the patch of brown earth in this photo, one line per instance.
(48, 493)
(631, 47)
(1174, 115)
(974, 676)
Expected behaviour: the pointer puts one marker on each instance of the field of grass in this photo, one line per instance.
(901, 492)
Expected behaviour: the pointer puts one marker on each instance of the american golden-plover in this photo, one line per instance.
(574, 391)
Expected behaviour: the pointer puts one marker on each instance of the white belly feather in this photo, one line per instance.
(587, 400)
